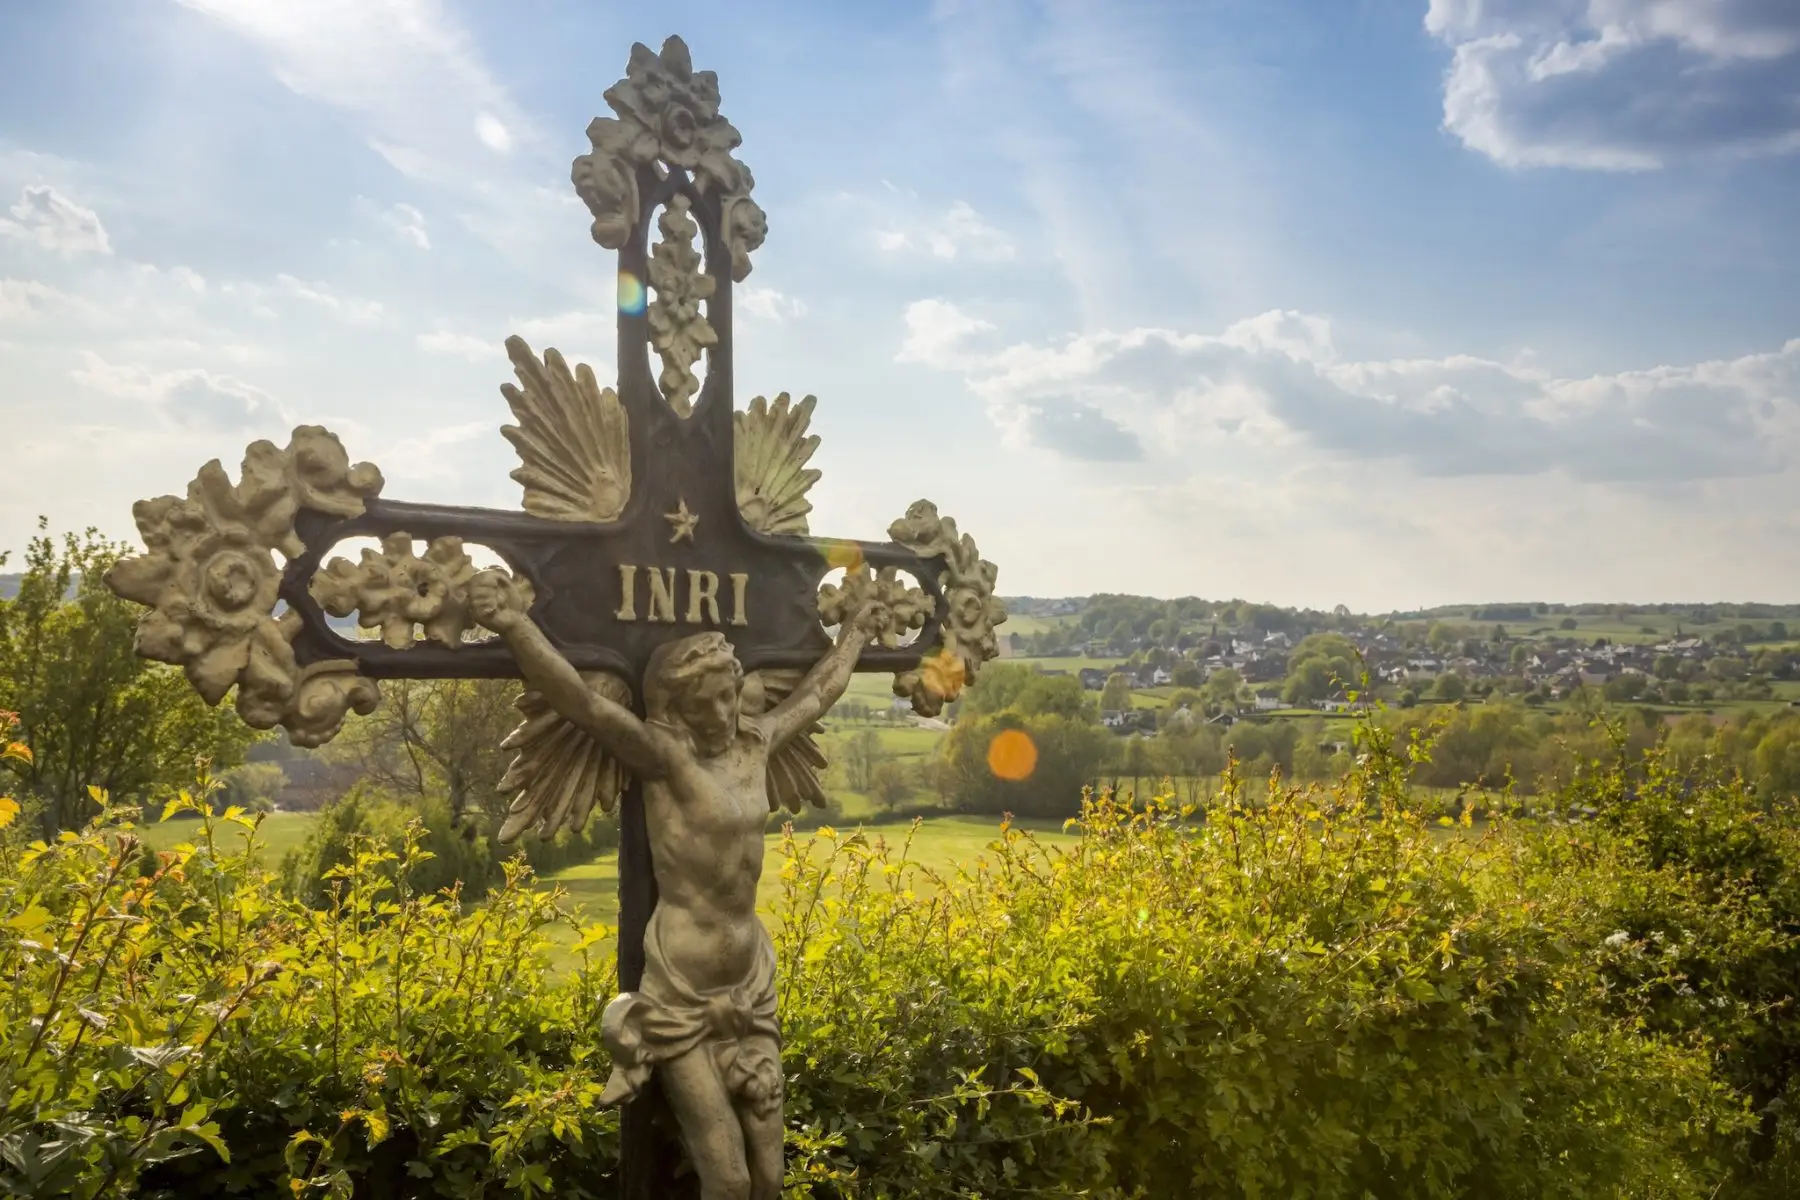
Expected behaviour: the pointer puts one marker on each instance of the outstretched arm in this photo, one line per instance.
(494, 601)
(816, 693)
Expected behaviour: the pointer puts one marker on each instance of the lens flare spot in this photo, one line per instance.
(847, 555)
(1012, 755)
(631, 294)
(944, 674)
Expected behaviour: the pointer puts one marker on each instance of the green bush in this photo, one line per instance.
(192, 1031)
(1693, 885)
(1318, 995)
(459, 856)
(1283, 1000)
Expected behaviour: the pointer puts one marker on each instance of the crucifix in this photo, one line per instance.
(660, 597)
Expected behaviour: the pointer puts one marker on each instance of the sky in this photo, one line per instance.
(1390, 303)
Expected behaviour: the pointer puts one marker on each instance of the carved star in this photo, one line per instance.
(681, 523)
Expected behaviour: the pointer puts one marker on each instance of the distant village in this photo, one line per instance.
(1545, 657)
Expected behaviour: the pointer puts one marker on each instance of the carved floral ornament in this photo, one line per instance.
(678, 329)
(971, 609)
(395, 590)
(210, 581)
(668, 117)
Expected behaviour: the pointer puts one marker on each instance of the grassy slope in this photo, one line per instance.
(279, 833)
(941, 843)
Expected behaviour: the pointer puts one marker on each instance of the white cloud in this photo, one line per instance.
(22, 298)
(407, 222)
(1620, 84)
(350, 308)
(1266, 387)
(767, 303)
(192, 396)
(957, 232)
(461, 345)
(939, 334)
(430, 104)
(47, 217)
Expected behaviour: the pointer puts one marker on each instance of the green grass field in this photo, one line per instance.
(1070, 665)
(941, 843)
(279, 833)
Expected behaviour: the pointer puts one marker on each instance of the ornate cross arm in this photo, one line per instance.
(239, 588)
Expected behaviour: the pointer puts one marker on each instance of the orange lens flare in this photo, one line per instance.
(847, 555)
(944, 674)
(1012, 755)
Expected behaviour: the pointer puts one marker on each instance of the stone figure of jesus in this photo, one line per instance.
(704, 1016)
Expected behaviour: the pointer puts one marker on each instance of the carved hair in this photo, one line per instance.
(676, 666)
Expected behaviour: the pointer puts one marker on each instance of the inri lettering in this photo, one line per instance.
(671, 594)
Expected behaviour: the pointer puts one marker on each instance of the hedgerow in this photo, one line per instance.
(1318, 995)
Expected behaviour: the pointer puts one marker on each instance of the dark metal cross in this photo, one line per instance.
(646, 520)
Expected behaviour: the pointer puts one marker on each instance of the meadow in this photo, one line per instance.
(940, 845)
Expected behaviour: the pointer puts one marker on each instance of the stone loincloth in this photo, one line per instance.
(667, 1017)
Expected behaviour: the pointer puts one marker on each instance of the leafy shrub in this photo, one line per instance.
(1693, 886)
(1285, 999)
(1318, 995)
(192, 1031)
(459, 856)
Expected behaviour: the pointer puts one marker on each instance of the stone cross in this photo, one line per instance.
(661, 598)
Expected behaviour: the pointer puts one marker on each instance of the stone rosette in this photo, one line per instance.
(211, 582)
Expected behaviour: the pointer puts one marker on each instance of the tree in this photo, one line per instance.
(91, 712)
(1624, 688)
(890, 784)
(1449, 686)
(437, 737)
(1059, 694)
(1069, 755)
(1567, 623)
(1188, 675)
(996, 688)
(1323, 663)
(1116, 695)
(1222, 688)
(863, 754)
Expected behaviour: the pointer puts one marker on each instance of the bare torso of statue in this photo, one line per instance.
(706, 821)
(703, 1019)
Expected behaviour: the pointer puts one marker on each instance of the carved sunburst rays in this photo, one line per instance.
(559, 773)
(772, 450)
(794, 768)
(573, 438)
